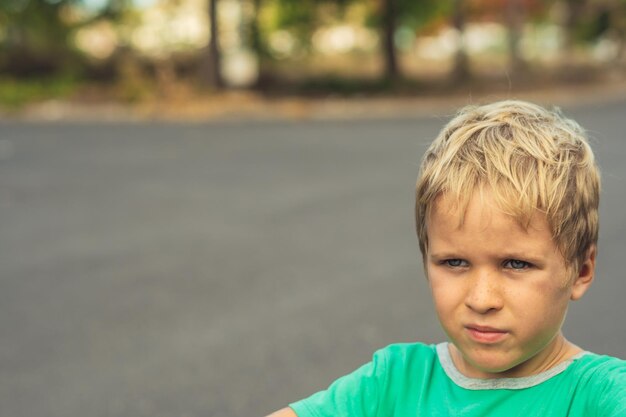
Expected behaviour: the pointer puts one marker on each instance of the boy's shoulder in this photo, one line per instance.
(601, 380)
(600, 369)
(587, 363)
(405, 377)
(598, 374)
(408, 349)
(601, 363)
(401, 355)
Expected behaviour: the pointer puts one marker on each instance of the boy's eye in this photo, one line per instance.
(516, 264)
(455, 263)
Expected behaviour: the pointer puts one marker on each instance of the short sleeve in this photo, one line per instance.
(354, 395)
(612, 389)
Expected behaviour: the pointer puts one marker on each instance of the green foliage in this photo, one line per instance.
(301, 17)
(417, 14)
(350, 86)
(36, 35)
(295, 14)
(15, 93)
(343, 86)
(115, 10)
(413, 14)
(36, 23)
(591, 28)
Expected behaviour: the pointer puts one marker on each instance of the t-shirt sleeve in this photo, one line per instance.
(612, 389)
(354, 395)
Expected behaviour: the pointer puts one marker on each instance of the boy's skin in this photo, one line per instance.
(500, 290)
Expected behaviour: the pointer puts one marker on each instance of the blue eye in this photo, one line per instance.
(454, 263)
(516, 264)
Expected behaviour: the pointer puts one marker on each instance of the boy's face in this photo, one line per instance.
(501, 291)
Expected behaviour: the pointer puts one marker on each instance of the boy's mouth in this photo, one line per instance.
(485, 334)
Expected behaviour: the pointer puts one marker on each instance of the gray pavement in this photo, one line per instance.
(227, 269)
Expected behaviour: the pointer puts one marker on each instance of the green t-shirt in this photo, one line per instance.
(421, 380)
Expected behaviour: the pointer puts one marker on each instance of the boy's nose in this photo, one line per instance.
(484, 292)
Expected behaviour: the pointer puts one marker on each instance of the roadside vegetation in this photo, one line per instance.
(116, 50)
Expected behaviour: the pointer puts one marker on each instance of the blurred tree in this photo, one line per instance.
(36, 36)
(389, 12)
(258, 43)
(211, 72)
(299, 17)
(574, 11)
(515, 16)
(460, 72)
(295, 21)
(618, 29)
(414, 15)
(587, 21)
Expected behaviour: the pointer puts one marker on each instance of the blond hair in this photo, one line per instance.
(529, 157)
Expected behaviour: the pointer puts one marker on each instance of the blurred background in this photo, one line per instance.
(168, 50)
(206, 206)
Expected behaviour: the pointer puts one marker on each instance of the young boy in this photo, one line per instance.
(507, 221)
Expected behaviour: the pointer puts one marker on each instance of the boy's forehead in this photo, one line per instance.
(481, 205)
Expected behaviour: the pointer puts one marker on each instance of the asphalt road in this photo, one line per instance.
(227, 269)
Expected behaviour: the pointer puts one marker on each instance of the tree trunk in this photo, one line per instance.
(515, 22)
(619, 25)
(461, 72)
(392, 71)
(213, 72)
(258, 46)
(255, 31)
(573, 12)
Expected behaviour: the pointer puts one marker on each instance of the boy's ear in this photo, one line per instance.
(584, 278)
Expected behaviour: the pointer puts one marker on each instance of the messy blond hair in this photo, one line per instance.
(529, 157)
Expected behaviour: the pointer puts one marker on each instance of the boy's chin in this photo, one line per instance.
(488, 364)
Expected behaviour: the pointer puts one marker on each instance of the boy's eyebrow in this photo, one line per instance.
(444, 255)
(530, 257)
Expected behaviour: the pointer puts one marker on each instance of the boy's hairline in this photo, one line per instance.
(461, 207)
(574, 228)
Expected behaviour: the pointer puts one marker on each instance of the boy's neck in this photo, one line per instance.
(559, 350)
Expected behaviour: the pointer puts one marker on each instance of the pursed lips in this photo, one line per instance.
(485, 334)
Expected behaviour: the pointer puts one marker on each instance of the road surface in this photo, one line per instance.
(227, 269)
